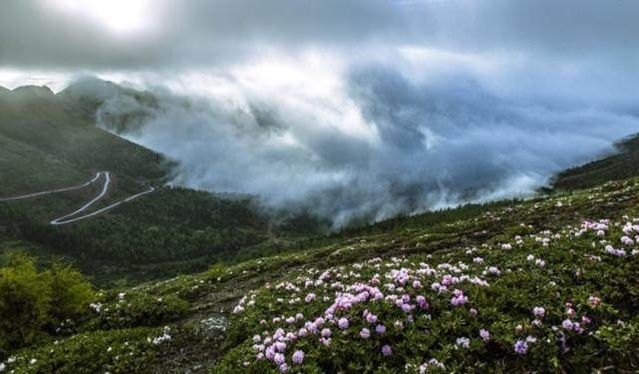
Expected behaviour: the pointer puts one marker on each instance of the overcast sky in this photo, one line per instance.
(432, 97)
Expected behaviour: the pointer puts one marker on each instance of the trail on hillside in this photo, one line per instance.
(36, 194)
(67, 218)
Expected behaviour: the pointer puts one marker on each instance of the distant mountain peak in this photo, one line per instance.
(91, 87)
(33, 91)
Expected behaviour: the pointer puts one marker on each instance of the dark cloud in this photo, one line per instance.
(436, 144)
(205, 33)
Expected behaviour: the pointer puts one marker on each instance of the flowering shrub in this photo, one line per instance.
(137, 309)
(532, 304)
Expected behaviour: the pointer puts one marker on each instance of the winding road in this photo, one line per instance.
(36, 194)
(68, 217)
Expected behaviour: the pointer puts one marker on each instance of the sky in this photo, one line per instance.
(352, 109)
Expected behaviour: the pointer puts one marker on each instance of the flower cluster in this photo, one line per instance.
(379, 302)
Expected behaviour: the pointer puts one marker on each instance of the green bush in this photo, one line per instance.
(33, 303)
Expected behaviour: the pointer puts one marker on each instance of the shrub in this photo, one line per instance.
(34, 303)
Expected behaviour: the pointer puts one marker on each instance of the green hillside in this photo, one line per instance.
(50, 141)
(546, 285)
(621, 165)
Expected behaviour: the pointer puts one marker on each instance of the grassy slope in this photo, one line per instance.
(621, 165)
(206, 336)
(49, 141)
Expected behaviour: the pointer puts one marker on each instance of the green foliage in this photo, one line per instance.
(70, 292)
(25, 303)
(33, 303)
(118, 351)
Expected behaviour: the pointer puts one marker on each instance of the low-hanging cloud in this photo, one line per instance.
(371, 144)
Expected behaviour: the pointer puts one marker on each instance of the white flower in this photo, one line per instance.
(463, 342)
(161, 339)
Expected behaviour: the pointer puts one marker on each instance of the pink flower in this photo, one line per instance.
(417, 284)
(485, 335)
(312, 327)
(380, 329)
(627, 241)
(371, 318)
(539, 312)
(421, 302)
(521, 347)
(594, 300)
(278, 359)
(342, 323)
(270, 353)
(365, 333)
(567, 324)
(283, 368)
(387, 350)
(326, 333)
(458, 298)
(298, 357)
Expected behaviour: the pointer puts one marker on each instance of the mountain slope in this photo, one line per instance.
(544, 285)
(621, 165)
(61, 127)
(50, 141)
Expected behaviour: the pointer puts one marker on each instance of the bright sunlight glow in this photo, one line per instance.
(119, 16)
